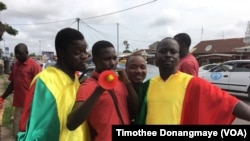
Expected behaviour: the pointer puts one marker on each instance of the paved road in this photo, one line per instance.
(244, 98)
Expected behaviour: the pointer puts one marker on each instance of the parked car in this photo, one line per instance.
(207, 67)
(231, 76)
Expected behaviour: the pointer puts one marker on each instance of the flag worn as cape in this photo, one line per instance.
(202, 102)
(54, 95)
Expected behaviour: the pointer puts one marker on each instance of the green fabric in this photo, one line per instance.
(141, 118)
(45, 122)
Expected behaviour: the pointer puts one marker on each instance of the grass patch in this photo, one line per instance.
(8, 108)
(7, 121)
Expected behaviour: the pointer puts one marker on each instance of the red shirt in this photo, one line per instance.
(189, 65)
(22, 75)
(104, 114)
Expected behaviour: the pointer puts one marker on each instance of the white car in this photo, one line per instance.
(231, 76)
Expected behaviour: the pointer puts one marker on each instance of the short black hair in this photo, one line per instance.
(98, 46)
(134, 55)
(22, 45)
(65, 37)
(162, 41)
(183, 38)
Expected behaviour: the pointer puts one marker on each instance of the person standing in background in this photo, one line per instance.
(136, 69)
(21, 75)
(188, 63)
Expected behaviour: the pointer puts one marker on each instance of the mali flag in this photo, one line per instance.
(54, 95)
(184, 99)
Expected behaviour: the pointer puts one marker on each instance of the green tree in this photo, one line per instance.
(4, 27)
(33, 55)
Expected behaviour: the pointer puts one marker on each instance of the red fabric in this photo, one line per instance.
(1, 102)
(189, 65)
(22, 75)
(104, 114)
(207, 104)
(26, 110)
(77, 73)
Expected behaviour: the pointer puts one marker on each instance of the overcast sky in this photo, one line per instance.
(140, 22)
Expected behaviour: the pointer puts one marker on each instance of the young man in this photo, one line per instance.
(136, 69)
(53, 92)
(188, 62)
(175, 97)
(104, 108)
(22, 73)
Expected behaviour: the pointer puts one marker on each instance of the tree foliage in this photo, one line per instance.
(2, 6)
(10, 30)
(6, 27)
(126, 51)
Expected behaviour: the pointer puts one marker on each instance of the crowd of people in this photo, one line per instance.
(52, 104)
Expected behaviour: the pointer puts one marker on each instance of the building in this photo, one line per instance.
(209, 51)
(220, 50)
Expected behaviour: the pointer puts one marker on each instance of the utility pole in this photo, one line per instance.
(117, 39)
(40, 53)
(201, 32)
(78, 21)
(246, 40)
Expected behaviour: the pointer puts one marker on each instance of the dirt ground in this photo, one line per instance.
(5, 133)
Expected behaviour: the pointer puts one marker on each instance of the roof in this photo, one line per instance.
(218, 46)
(153, 45)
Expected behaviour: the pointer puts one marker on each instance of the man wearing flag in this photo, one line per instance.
(179, 98)
(52, 93)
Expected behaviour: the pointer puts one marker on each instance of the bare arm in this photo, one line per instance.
(82, 109)
(242, 110)
(8, 91)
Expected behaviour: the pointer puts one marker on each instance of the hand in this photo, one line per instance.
(1, 102)
(123, 76)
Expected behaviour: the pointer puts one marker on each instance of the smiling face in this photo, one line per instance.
(167, 55)
(136, 69)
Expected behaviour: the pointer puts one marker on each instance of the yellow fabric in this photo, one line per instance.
(165, 99)
(65, 99)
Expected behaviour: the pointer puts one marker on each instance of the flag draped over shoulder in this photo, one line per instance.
(53, 99)
(184, 99)
(207, 104)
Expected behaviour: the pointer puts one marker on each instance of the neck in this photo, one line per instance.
(62, 67)
(166, 74)
(185, 54)
(136, 85)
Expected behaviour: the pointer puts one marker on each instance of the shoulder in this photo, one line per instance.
(32, 62)
(89, 83)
